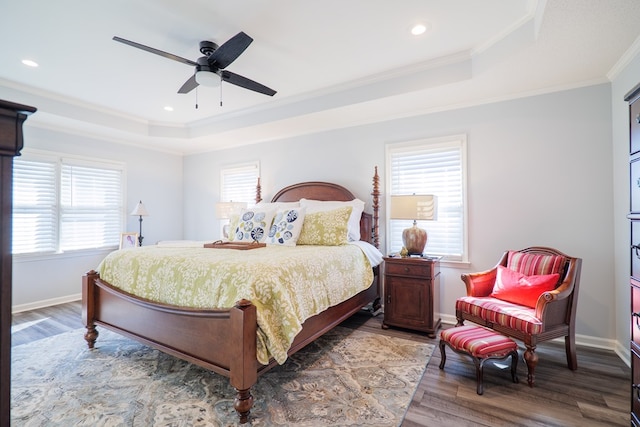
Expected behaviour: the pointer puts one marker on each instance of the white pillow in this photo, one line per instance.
(286, 227)
(252, 225)
(353, 232)
(278, 205)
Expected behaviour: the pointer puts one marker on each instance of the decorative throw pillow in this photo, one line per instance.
(326, 228)
(252, 225)
(534, 264)
(354, 219)
(518, 288)
(286, 227)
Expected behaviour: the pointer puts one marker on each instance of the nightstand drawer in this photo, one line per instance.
(422, 270)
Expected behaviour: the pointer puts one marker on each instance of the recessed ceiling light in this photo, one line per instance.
(418, 29)
(168, 108)
(29, 63)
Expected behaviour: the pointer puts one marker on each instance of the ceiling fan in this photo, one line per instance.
(212, 64)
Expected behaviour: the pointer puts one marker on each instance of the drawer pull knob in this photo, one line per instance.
(637, 316)
(406, 269)
(635, 248)
(638, 118)
(636, 387)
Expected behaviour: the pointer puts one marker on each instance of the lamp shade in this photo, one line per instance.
(224, 210)
(139, 210)
(414, 207)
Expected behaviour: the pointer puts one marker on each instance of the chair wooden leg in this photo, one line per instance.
(570, 347)
(443, 354)
(531, 358)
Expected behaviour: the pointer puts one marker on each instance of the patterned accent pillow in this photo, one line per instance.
(535, 264)
(286, 227)
(354, 220)
(518, 288)
(326, 228)
(252, 225)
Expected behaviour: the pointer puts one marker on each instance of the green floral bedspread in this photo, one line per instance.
(286, 284)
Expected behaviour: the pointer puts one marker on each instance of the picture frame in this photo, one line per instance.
(129, 240)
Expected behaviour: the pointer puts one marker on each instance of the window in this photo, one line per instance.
(63, 203)
(238, 183)
(433, 166)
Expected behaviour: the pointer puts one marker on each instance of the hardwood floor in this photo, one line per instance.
(597, 394)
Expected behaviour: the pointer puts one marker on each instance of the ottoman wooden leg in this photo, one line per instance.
(514, 366)
(479, 375)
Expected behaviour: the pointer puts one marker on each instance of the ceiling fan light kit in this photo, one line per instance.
(209, 70)
(207, 78)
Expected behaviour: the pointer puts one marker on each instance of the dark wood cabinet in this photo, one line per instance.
(11, 118)
(634, 234)
(412, 294)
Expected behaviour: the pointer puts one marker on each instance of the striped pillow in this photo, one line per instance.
(535, 264)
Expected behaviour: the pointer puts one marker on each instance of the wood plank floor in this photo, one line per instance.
(597, 394)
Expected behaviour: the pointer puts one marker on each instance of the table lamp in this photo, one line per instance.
(140, 211)
(414, 207)
(224, 210)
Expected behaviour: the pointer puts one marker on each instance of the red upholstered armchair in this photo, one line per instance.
(508, 299)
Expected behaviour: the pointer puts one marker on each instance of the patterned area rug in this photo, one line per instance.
(345, 378)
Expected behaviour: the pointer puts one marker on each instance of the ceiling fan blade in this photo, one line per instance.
(189, 85)
(229, 51)
(156, 51)
(246, 83)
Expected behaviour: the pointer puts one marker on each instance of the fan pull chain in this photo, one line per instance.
(196, 98)
(221, 91)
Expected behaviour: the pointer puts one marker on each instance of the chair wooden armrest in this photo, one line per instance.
(557, 300)
(480, 284)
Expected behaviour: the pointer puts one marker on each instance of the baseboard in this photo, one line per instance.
(45, 303)
(583, 340)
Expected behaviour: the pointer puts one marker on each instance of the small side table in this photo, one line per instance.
(412, 293)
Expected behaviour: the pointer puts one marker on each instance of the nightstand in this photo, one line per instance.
(412, 294)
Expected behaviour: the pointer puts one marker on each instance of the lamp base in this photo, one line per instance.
(414, 239)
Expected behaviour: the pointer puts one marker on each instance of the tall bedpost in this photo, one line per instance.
(258, 192)
(376, 206)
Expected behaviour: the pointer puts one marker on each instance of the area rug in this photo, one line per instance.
(345, 378)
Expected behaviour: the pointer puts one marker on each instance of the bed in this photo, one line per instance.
(224, 340)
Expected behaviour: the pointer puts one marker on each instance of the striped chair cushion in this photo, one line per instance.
(478, 342)
(535, 264)
(502, 313)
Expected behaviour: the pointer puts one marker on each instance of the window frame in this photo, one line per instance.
(460, 142)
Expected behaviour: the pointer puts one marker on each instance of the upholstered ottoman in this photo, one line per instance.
(481, 344)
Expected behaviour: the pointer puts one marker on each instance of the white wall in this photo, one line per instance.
(539, 173)
(152, 176)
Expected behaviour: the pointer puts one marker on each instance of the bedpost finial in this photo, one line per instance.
(258, 192)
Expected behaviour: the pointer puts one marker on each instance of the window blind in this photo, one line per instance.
(239, 183)
(34, 206)
(90, 207)
(431, 168)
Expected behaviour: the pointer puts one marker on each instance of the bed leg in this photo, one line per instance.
(243, 404)
(88, 304)
(91, 335)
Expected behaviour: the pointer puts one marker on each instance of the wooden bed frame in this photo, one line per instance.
(222, 340)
